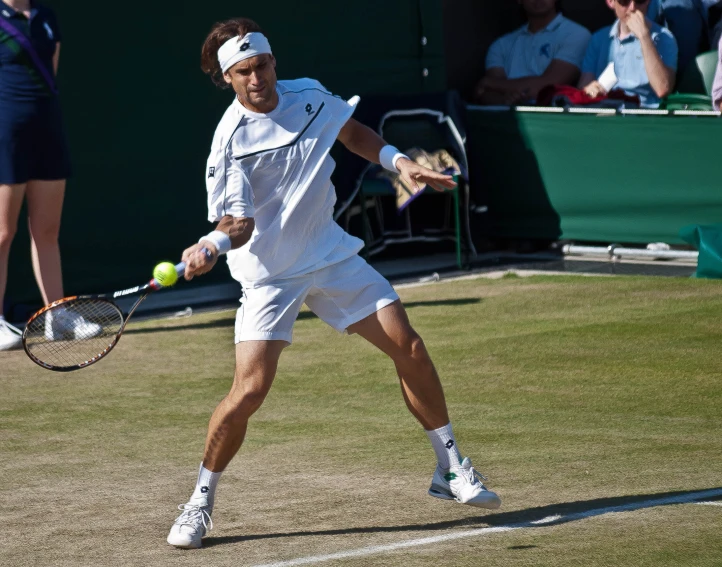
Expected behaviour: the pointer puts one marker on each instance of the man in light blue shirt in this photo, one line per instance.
(548, 50)
(643, 52)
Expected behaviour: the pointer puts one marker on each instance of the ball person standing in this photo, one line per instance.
(34, 161)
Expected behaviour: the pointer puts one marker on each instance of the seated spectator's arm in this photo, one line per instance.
(525, 88)
(493, 89)
(557, 73)
(661, 75)
(595, 57)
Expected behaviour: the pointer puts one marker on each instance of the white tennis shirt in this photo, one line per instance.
(276, 168)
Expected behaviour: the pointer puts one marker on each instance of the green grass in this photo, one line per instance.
(563, 390)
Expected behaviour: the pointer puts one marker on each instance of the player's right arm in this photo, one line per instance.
(230, 206)
(238, 230)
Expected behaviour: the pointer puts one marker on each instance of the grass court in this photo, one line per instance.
(591, 403)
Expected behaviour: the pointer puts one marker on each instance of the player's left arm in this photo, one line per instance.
(366, 143)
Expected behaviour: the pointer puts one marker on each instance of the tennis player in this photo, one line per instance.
(270, 193)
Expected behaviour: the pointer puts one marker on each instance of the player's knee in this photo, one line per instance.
(7, 234)
(413, 349)
(248, 398)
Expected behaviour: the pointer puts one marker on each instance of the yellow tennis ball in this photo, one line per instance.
(165, 274)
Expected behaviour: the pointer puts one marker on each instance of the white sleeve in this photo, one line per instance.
(340, 108)
(229, 191)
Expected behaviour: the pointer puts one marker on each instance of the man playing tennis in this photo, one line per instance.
(269, 190)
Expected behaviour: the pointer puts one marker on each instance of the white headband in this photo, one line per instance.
(239, 48)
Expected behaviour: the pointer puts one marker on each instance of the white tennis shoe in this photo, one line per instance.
(463, 484)
(61, 325)
(10, 337)
(191, 525)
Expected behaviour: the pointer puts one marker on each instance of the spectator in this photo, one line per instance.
(644, 55)
(548, 50)
(717, 88)
(687, 20)
(33, 155)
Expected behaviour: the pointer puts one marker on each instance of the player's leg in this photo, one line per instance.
(264, 326)
(390, 331)
(45, 205)
(11, 200)
(352, 296)
(256, 364)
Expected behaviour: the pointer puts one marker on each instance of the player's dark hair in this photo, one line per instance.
(220, 33)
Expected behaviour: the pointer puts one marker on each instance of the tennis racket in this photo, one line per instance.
(77, 331)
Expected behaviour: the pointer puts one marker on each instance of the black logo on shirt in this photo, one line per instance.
(211, 172)
(309, 109)
(246, 45)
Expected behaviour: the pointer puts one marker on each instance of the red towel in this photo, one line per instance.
(550, 95)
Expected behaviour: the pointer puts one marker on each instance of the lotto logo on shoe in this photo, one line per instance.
(449, 444)
(204, 489)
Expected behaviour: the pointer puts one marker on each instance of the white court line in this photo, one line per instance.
(551, 520)
(709, 503)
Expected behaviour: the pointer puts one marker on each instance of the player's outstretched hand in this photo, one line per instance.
(416, 175)
(197, 260)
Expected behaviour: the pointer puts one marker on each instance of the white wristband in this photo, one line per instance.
(389, 155)
(219, 239)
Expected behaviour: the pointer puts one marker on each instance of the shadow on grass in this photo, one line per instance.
(231, 319)
(540, 517)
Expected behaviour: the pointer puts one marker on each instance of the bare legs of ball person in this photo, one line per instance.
(256, 363)
(44, 205)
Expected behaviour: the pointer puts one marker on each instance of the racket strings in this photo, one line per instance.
(73, 333)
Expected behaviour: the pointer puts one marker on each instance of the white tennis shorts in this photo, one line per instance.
(341, 294)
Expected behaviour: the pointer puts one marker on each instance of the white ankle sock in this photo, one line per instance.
(206, 485)
(444, 444)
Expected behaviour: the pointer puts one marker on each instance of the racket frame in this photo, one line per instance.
(144, 290)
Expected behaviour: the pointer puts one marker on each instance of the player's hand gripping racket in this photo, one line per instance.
(77, 331)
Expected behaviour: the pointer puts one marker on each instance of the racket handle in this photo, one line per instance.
(180, 267)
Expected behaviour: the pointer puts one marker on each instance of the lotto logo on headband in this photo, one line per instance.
(239, 48)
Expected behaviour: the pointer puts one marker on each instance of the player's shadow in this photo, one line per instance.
(540, 517)
(230, 320)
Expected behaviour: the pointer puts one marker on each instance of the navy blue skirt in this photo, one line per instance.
(32, 142)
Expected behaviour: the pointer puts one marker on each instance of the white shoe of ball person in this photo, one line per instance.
(63, 325)
(190, 527)
(463, 484)
(10, 337)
